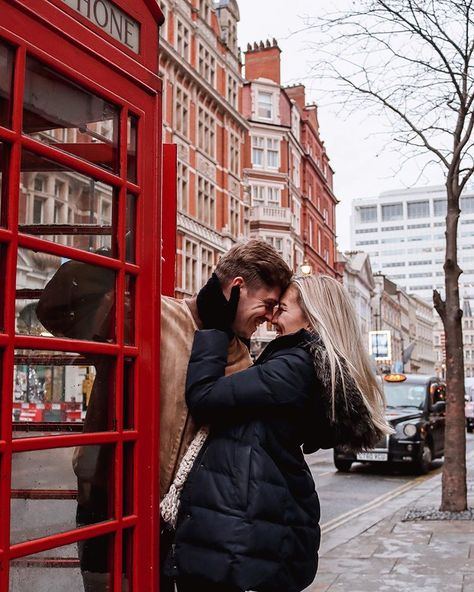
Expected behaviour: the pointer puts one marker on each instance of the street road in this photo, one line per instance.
(340, 493)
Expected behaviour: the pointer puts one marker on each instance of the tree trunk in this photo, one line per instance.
(454, 491)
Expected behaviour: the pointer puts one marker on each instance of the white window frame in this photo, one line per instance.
(183, 39)
(262, 148)
(265, 109)
(232, 91)
(206, 136)
(207, 64)
(234, 153)
(190, 265)
(206, 201)
(266, 195)
(181, 110)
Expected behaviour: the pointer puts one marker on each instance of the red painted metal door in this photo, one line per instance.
(80, 220)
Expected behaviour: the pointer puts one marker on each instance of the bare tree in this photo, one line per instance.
(414, 59)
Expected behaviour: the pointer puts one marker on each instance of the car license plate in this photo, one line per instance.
(372, 456)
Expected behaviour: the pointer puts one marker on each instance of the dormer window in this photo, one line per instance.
(265, 105)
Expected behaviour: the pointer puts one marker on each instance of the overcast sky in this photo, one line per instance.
(364, 159)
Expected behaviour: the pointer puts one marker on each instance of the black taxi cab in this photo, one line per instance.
(416, 406)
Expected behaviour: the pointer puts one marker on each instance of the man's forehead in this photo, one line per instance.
(269, 295)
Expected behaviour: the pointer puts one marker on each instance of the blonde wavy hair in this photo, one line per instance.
(329, 310)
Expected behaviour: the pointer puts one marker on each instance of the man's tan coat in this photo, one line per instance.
(179, 321)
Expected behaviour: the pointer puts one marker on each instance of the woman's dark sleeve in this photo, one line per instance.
(284, 380)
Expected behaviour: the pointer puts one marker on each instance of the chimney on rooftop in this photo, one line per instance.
(262, 60)
(297, 93)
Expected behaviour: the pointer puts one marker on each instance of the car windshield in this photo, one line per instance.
(404, 394)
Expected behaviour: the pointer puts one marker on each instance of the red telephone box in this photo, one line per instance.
(80, 235)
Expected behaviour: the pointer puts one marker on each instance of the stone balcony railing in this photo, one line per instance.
(273, 214)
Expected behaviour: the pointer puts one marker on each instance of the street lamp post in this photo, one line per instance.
(306, 267)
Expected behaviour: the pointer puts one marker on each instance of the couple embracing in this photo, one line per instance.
(239, 499)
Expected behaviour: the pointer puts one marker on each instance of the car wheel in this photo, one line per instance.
(344, 466)
(423, 464)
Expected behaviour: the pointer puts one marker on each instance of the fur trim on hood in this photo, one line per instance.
(352, 426)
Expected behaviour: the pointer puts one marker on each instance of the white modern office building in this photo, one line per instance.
(403, 232)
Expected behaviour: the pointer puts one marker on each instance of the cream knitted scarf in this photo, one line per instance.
(170, 503)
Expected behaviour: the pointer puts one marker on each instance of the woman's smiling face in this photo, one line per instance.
(289, 316)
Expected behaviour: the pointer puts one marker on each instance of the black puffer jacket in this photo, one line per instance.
(249, 510)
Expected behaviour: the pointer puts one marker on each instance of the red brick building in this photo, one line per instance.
(199, 63)
(286, 170)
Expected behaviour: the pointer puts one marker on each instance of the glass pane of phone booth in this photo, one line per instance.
(69, 117)
(73, 377)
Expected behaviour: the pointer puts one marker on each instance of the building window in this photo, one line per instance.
(232, 91)
(276, 242)
(206, 202)
(296, 215)
(207, 65)
(367, 242)
(58, 209)
(183, 187)
(182, 40)
(467, 205)
(265, 152)
(411, 226)
(365, 230)
(392, 212)
(190, 266)
(266, 195)
(295, 172)
(207, 264)
(418, 209)
(392, 228)
(234, 216)
(265, 105)
(440, 207)
(258, 150)
(39, 184)
(204, 10)
(295, 126)
(38, 207)
(234, 157)
(59, 187)
(310, 231)
(181, 111)
(273, 153)
(368, 214)
(206, 132)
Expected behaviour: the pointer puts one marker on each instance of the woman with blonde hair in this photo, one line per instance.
(249, 513)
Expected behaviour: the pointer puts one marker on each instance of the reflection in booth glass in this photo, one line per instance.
(64, 115)
(68, 208)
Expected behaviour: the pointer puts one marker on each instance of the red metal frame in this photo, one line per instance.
(37, 27)
(169, 213)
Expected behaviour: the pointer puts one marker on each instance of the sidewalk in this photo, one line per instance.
(379, 551)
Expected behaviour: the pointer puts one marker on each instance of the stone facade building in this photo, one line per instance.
(411, 324)
(358, 279)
